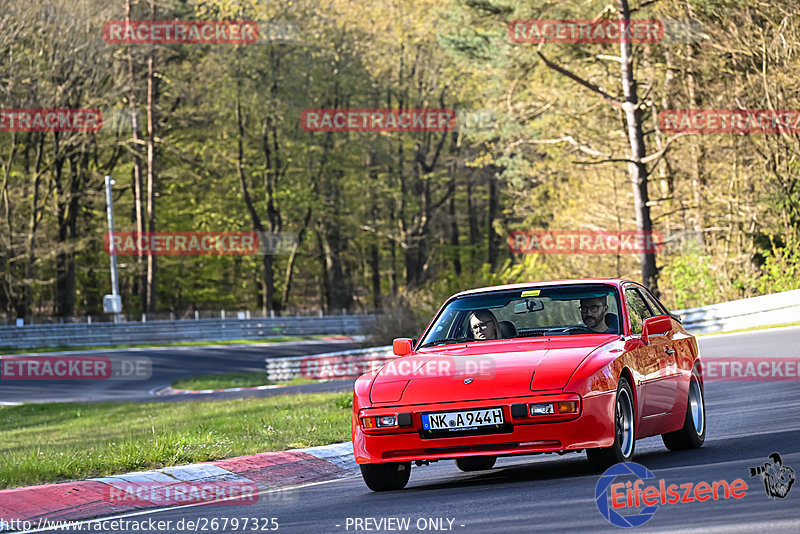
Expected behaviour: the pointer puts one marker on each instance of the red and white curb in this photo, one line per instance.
(85, 499)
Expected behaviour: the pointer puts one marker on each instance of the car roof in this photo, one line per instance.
(576, 281)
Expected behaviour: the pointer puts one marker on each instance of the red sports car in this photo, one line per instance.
(560, 366)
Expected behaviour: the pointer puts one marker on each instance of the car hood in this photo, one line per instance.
(483, 370)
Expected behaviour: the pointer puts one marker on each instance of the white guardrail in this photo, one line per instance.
(766, 310)
(81, 334)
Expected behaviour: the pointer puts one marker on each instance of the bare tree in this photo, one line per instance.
(631, 108)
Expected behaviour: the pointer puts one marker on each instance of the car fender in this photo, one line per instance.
(601, 371)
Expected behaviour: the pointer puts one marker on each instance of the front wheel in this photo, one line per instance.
(624, 432)
(693, 433)
(475, 463)
(386, 477)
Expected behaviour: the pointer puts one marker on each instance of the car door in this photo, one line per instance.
(648, 356)
(676, 358)
(639, 352)
(662, 381)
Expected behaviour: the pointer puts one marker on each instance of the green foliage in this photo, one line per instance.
(692, 280)
(781, 269)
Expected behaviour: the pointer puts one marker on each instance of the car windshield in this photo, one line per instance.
(528, 312)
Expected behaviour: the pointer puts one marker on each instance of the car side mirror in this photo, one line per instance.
(402, 346)
(660, 324)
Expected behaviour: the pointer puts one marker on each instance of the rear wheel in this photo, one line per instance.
(475, 463)
(624, 432)
(386, 477)
(693, 433)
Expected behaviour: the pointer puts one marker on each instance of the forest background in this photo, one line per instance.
(392, 221)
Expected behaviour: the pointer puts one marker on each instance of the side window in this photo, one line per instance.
(657, 308)
(637, 310)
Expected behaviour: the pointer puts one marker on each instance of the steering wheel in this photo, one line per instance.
(579, 330)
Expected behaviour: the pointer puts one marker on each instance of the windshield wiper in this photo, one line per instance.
(444, 341)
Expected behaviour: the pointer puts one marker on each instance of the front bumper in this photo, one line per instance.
(592, 427)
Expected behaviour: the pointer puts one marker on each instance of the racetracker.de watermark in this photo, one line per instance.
(75, 368)
(344, 367)
(177, 492)
(339, 367)
(50, 120)
(181, 32)
(743, 121)
(198, 243)
(585, 242)
(378, 120)
(755, 369)
(585, 31)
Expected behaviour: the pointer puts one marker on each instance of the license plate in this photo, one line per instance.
(462, 419)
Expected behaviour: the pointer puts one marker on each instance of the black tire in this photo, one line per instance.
(386, 477)
(624, 432)
(693, 433)
(475, 463)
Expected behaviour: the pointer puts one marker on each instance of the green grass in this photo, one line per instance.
(282, 339)
(42, 443)
(233, 380)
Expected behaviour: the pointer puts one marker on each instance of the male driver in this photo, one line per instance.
(593, 313)
(484, 325)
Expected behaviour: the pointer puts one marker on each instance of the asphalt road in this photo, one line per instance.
(747, 421)
(169, 364)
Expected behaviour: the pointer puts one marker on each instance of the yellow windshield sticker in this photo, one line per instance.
(532, 293)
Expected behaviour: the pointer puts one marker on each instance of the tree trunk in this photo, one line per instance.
(636, 168)
(137, 167)
(492, 240)
(664, 168)
(454, 235)
(373, 256)
(25, 306)
(268, 285)
(375, 264)
(151, 172)
(393, 253)
(455, 253)
(324, 288)
(62, 307)
(474, 231)
(697, 154)
(68, 206)
(6, 237)
(337, 294)
(287, 281)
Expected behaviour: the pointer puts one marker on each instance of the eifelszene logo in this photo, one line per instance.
(613, 498)
(777, 478)
(602, 494)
